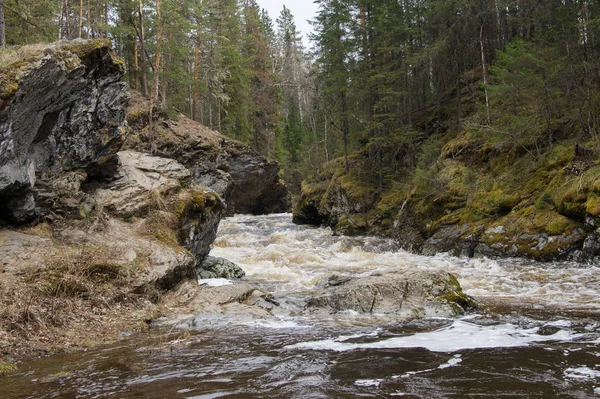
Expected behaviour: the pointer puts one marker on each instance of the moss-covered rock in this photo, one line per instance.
(480, 197)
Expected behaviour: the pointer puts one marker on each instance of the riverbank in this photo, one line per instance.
(477, 194)
(536, 336)
(96, 233)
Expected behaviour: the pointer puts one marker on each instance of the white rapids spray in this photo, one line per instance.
(271, 248)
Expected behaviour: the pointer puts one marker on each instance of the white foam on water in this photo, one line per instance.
(559, 323)
(275, 324)
(458, 336)
(597, 390)
(455, 361)
(582, 373)
(212, 395)
(296, 257)
(214, 282)
(368, 383)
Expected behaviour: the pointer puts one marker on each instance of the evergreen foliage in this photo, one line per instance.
(393, 81)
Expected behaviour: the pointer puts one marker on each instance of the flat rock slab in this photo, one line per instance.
(141, 180)
(18, 250)
(403, 293)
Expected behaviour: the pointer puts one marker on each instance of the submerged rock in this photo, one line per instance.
(213, 267)
(404, 293)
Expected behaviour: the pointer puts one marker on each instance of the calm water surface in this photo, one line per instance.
(538, 336)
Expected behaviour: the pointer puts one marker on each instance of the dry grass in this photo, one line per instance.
(79, 275)
(80, 296)
(17, 54)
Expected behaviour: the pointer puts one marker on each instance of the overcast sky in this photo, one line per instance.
(302, 10)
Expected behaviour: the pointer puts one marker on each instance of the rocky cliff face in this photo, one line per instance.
(248, 182)
(474, 202)
(90, 234)
(62, 112)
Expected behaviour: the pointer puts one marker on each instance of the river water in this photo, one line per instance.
(537, 336)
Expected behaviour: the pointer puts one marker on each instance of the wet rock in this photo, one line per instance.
(242, 300)
(591, 247)
(213, 267)
(66, 114)
(199, 217)
(257, 188)
(140, 181)
(540, 246)
(169, 268)
(458, 240)
(404, 293)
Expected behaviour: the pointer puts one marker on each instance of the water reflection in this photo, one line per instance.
(539, 336)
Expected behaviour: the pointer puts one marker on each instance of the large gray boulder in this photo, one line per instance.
(63, 112)
(140, 181)
(257, 188)
(213, 267)
(403, 293)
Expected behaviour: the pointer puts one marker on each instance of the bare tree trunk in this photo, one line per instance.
(89, 20)
(2, 25)
(136, 69)
(345, 129)
(67, 22)
(143, 75)
(100, 23)
(155, 78)
(60, 20)
(106, 17)
(196, 96)
(486, 72)
(219, 113)
(80, 18)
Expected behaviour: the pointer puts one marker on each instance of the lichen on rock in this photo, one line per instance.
(65, 113)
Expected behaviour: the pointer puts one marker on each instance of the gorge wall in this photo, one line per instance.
(479, 198)
(99, 218)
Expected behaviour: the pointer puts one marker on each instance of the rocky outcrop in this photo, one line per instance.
(143, 184)
(213, 267)
(199, 214)
(61, 114)
(534, 207)
(247, 181)
(404, 293)
(257, 188)
(139, 182)
(90, 234)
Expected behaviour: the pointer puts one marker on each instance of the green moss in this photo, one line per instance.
(353, 224)
(592, 206)
(455, 295)
(392, 200)
(6, 368)
(572, 209)
(85, 47)
(559, 226)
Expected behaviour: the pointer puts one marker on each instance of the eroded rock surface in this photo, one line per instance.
(65, 114)
(404, 293)
(139, 183)
(213, 267)
(245, 180)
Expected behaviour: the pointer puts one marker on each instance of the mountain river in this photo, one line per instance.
(536, 336)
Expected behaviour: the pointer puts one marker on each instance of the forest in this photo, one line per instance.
(393, 80)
